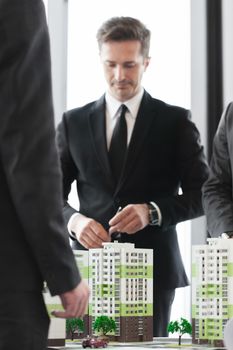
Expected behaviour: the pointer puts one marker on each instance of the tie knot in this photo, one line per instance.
(123, 109)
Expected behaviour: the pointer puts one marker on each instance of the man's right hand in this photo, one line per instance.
(74, 302)
(89, 232)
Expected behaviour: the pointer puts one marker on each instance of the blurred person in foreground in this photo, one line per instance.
(34, 247)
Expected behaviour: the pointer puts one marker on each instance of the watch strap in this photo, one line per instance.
(153, 215)
(227, 235)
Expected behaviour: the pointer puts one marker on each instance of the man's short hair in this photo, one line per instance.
(123, 29)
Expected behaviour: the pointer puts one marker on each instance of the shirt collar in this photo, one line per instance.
(113, 105)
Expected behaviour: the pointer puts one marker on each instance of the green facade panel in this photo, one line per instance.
(132, 310)
(203, 329)
(214, 329)
(194, 270)
(84, 272)
(230, 269)
(52, 307)
(135, 272)
(230, 310)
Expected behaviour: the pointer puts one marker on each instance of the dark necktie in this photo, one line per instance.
(118, 145)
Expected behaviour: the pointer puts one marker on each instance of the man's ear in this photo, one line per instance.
(146, 63)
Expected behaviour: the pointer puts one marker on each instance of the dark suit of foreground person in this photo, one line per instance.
(164, 154)
(218, 189)
(33, 245)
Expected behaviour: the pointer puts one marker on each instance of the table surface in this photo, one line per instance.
(158, 343)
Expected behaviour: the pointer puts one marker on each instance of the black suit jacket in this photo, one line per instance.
(164, 154)
(218, 189)
(33, 243)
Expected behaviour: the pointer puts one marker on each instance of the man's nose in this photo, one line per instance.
(119, 73)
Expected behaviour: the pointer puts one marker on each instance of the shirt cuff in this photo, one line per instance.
(71, 225)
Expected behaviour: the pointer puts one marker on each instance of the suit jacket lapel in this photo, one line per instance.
(98, 134)
(142, 126)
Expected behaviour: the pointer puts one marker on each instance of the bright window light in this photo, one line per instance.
(168, 76)
(46, 6)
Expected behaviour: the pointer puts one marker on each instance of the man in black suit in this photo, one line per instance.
(34, 247)
(218, 189)
(141, 198)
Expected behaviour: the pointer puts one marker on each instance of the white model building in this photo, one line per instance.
(57, 327)
(212, 290)
(82, 260)
(121, 284)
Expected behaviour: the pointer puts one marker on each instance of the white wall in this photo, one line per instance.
(227, 15)
(58, 34)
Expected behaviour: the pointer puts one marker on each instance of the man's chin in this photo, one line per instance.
(122, 94)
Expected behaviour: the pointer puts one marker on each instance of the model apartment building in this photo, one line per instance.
(120, 278)
(82, 260)
(57, 327)
(212, 290)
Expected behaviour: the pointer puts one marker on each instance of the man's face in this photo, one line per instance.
(123, 66)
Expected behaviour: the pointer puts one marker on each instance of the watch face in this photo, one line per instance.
(153, 216)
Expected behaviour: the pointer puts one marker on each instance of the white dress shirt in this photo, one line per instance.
(112, 112)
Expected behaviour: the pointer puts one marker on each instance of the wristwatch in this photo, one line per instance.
(153, 215)
(227, 235)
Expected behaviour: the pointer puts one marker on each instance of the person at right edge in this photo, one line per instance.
(141, 198)
(34, 244)
(218, 189)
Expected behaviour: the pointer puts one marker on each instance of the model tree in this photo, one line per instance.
(74, 325)
(181, 327)
(104, 325)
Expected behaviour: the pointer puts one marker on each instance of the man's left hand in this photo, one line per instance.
(132, 218)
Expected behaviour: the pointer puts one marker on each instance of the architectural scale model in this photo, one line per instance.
(82, 260)
(57, 327)
(120, 278)
(212, 290)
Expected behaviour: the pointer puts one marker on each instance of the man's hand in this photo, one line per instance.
(89, 232)
(132, 218)
(74, 302)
